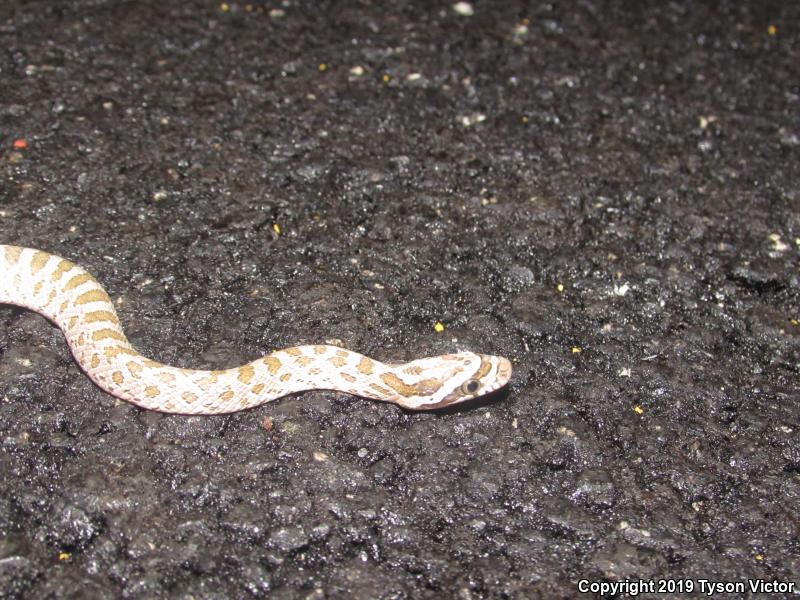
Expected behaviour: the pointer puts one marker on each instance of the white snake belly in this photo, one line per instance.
(71, 298)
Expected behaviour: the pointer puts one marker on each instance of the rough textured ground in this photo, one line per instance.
(607, 194)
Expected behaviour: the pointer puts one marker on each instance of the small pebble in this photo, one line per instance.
(464, 9)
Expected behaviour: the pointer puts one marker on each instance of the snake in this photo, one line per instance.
(77, 304)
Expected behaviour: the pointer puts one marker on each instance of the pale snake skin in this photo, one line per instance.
(72, 299)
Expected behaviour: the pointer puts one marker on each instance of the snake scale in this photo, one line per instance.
(72, 299)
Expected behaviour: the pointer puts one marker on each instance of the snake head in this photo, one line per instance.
(453, 378)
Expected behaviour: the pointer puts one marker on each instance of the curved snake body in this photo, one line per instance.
(71, 298)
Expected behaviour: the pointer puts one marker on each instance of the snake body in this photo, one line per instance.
(72, 299)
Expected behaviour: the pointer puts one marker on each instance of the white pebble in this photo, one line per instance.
(464, 9)
(470, 120)
(621, 290)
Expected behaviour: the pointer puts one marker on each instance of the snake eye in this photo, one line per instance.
(471, 386)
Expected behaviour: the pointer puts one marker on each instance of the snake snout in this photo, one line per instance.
(504, 370)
